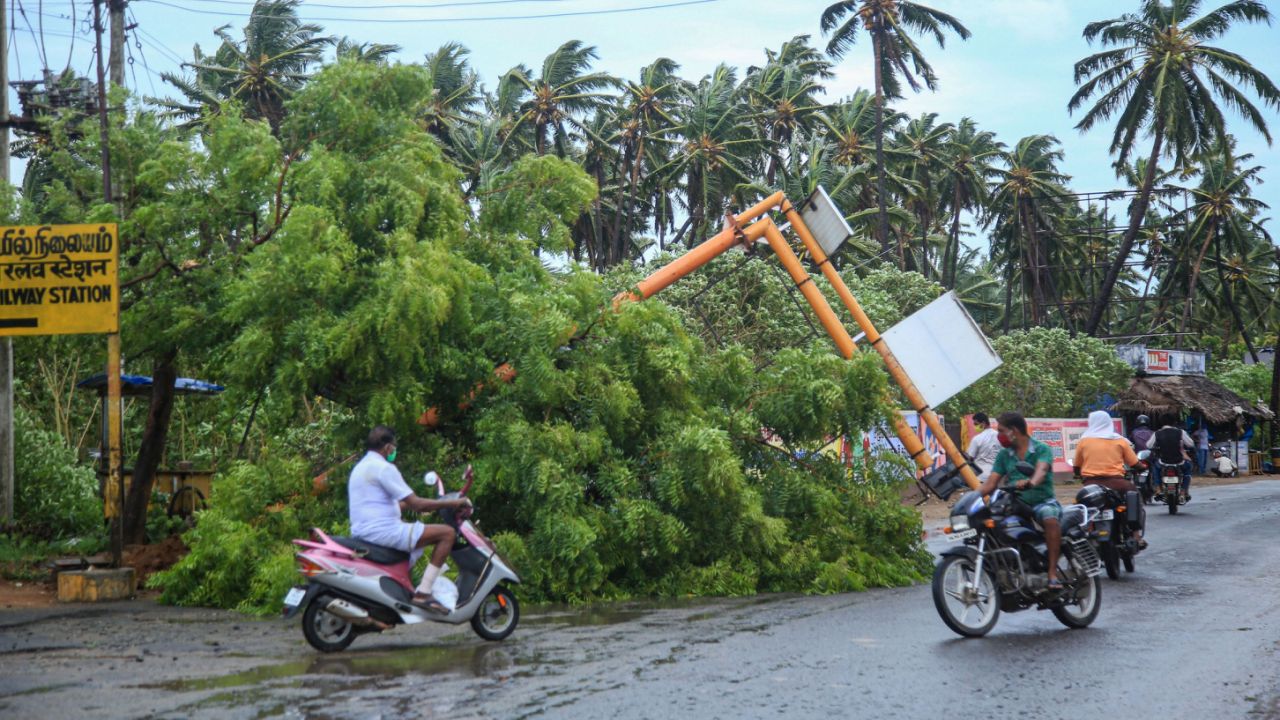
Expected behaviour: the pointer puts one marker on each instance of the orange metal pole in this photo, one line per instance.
(927, 415)
(699, 255)
(910, 440)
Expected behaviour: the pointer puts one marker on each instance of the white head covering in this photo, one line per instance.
(1100, 426)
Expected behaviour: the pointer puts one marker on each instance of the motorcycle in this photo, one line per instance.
(354, 587)
(1170, 490)
(1111, 519)
(1142, 475)
(1002, 564)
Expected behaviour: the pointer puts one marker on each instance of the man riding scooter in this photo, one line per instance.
(378, 495)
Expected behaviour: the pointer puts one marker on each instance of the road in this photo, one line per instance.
(1192, 634)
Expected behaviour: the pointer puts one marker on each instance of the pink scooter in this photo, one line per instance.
(355, 587)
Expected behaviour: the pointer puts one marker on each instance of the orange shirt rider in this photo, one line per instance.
(1102, 454)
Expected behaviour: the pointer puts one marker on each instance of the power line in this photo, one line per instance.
(409, 6)
(578, 13)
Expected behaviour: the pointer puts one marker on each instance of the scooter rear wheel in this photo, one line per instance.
(325, 631)
(498, 615)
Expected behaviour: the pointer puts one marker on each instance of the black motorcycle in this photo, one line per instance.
(1111, 519)
(1001, 563)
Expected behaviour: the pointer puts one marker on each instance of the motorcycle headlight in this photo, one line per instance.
(959, 523)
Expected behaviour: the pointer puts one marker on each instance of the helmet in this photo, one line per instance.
(1143, 420)
(1091, 496)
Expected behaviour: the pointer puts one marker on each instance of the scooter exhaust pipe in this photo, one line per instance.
(352, 614)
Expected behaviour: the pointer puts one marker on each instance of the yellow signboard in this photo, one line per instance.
(59, 279)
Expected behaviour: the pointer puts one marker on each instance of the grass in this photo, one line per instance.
(26, 558)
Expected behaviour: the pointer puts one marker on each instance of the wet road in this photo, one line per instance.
(1192, 634)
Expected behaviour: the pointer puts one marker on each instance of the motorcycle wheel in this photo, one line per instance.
(1128, 562)
(1171, 498)
(1111, 561)
(949, 580)
(1084, 610)
(497, 616)
(325, 631)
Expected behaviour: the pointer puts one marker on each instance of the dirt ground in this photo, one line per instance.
(144, 559)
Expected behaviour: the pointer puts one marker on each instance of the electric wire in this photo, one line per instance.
(402, 21)
(389, 6)
(31, 28)
(13, 38)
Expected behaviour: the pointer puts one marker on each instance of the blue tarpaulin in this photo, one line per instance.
(141, 385)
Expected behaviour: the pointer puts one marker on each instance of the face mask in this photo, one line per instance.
(1004, 441)
(391, 457)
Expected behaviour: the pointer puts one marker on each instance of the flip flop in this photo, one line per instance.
(428, 603)
(1142, 543)
(1055, 584)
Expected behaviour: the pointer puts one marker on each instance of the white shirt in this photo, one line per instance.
(983, 448)
(374, 494)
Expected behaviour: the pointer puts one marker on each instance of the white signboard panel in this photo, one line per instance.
(942, 349)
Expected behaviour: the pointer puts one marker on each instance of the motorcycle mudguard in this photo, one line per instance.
(961, 551)
(312, 589)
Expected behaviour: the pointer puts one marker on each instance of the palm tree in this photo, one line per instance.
(714, 150)
(455, 91)
(1023, 202)
(887, 22)
(261, 71)
(783, 94)
(924, 141)
(968, 158)
(561, 94)
(645, 113)
(1224, 206)
(1154, 78)
(373, 52)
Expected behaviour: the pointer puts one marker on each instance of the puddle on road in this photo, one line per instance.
(478, 661)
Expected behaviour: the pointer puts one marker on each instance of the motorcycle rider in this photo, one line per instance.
(1172, 446)
(1141, 435)
(984, 446)
(1035, 491)
(1101, 458)
(377, 496)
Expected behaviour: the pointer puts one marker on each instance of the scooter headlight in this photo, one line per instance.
(959, 523)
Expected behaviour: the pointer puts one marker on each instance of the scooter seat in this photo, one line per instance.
(373, 553)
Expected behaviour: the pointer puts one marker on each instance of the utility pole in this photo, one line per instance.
(115, 462)
(6, 348)
(115, 11)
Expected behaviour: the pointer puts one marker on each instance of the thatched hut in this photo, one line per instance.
(1161, 395)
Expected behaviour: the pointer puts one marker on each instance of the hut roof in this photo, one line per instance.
(1173, 394)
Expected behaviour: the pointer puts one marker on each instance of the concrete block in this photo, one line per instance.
(96, 585)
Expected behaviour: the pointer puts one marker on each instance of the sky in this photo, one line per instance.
(1013, 77)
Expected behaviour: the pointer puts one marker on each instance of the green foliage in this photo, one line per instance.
(1045, 373)
(239, 546)
(54, 496)
(1251, 382)
(23, 557)
(160, 524)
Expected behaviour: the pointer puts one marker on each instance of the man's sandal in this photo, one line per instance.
(1055, 584)
(428, 603)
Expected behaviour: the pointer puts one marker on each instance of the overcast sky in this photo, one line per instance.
(1013, 76)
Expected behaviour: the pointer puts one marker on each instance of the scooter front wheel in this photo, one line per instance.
(497, 616)
(325, 631)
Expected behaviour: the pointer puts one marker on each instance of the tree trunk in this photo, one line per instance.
(163, 375)
(1008, 294)
(1226, 292)
(951, 258)
(883, 214)
(1195, 276)
(1138, 214)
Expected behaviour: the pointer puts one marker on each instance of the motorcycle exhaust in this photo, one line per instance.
(352, 614)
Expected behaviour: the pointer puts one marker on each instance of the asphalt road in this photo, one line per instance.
(1192, 634)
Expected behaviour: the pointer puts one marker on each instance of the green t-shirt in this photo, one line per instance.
(1005, 466)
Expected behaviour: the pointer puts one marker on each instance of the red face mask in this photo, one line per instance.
(1004, 441)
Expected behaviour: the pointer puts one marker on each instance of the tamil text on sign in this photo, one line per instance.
(59, 279)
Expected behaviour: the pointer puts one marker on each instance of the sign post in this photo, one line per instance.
(64, 280)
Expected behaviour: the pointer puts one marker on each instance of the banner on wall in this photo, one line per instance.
(1060, 434)
(882, 439)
